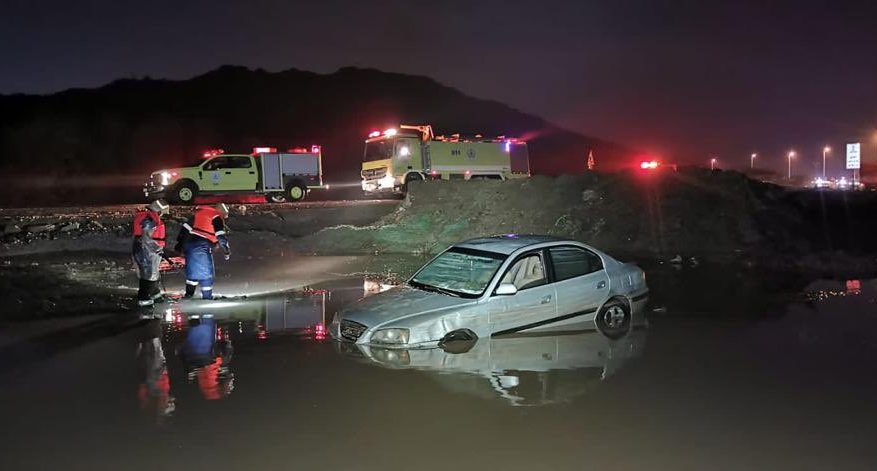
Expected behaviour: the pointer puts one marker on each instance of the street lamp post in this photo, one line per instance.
(825, 150)
(752, 161)
(791, 155)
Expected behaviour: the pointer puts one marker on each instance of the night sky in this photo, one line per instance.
(682, 79)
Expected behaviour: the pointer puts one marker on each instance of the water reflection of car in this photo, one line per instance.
(499, 285)
(523, 369)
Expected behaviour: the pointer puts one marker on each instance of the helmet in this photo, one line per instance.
(223, 209)
(159, 206)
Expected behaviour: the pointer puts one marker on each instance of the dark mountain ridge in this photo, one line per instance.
(133, 126)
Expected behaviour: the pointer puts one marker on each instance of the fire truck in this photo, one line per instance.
(278, 176)
(395, 157)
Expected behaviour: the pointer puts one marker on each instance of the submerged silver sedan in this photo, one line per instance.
(499, 285)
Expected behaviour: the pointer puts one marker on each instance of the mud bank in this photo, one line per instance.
(108, 228)
(82, 283)
(718, 216)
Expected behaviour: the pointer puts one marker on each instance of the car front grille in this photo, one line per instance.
(351, 330)
(374, 173)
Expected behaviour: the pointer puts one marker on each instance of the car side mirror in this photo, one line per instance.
(506, 289)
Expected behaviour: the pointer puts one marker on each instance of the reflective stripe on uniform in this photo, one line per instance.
(190, 282)
(206, 288)
(187, 226)
(219, 233)
(145, 302)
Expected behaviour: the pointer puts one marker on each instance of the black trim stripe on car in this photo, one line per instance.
(545, 322)
(641, 297)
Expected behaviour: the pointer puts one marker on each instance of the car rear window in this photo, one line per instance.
(570, 262)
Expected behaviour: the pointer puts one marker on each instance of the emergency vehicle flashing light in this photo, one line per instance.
(212, 153)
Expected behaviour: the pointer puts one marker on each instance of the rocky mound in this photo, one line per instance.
(692, 212)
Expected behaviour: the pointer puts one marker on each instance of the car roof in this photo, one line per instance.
(507, 243)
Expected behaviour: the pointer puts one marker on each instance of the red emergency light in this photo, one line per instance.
(264, 150)
(212, 153)
(315, 149)
(374, 134)
(298, 150)
(649, 165)
(854, 286)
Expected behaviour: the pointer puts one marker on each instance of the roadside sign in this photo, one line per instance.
(854, 156)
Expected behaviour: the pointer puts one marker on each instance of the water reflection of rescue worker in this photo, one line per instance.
(148, 250)
(153, 393)
(207, 353)
(198, 237)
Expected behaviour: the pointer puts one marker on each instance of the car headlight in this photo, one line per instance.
(390, 336)
(165, 178)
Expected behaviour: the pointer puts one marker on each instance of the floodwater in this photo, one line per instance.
(733, 372)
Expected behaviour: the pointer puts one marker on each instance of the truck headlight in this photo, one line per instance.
(165, 178)
(387, 182)
(390, 336)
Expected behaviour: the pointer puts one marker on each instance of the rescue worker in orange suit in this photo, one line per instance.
(203, 232)
(148, 250)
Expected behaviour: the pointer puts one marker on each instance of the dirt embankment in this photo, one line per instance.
(721, 215)
(108, 228)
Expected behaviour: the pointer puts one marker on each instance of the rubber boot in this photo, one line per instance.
(190, 290)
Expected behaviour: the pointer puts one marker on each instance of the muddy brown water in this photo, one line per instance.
(733, 373)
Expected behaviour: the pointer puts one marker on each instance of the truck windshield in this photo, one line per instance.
(195, 163)
(378, 150)
(459, 272)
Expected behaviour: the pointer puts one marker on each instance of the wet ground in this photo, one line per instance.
(734, 372)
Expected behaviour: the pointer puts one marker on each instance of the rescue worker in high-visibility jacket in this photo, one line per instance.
(197, 239)
(148, 250)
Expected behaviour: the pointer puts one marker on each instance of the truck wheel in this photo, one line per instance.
(412, 177)
(184, 193)
(296, 192)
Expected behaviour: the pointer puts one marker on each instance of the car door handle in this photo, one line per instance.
(252, 173)
(546, 299)
(228, 173)
(601, 285)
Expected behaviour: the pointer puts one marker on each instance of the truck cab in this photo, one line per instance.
(391, 160)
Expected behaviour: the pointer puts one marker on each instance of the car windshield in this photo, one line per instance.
(459, 272)
(378, 150)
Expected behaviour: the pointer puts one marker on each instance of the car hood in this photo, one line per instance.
(400, 303)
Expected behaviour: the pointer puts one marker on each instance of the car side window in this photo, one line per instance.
(215, 163)
(527, 272)
(570, 262)
(239, 162)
